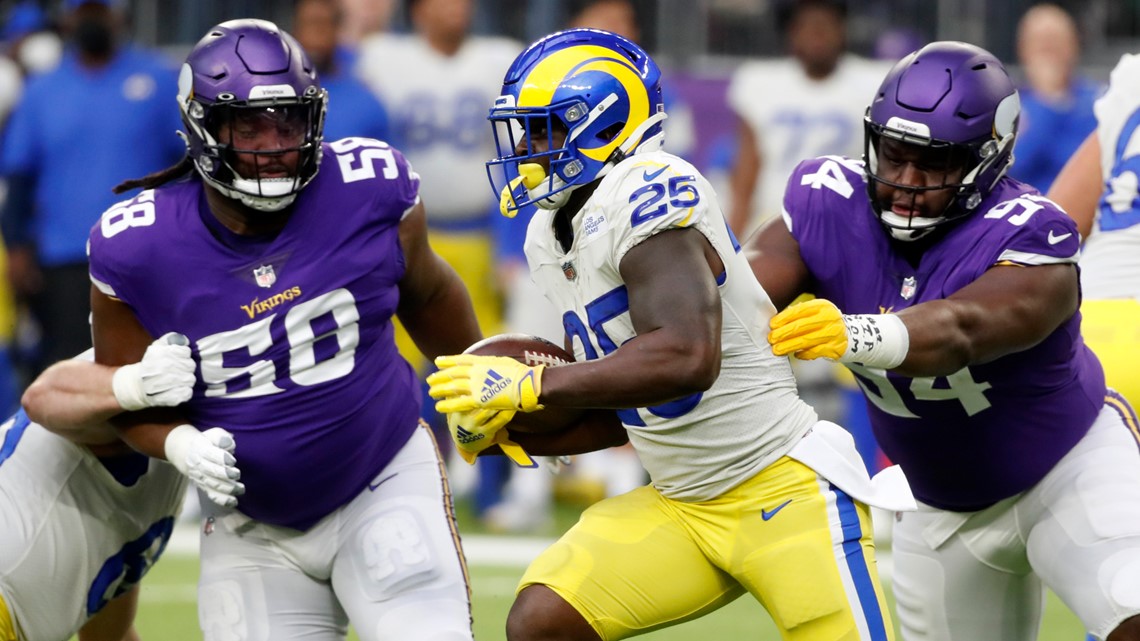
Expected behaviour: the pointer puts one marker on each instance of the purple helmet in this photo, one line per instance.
(951, 96)
(250, 71)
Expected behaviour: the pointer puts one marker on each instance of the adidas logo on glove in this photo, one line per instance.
(465, 437)
(494, 384)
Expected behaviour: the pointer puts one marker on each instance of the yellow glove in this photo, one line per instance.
(478, 430)
(465, 382)
(530, 175)
(810, 330)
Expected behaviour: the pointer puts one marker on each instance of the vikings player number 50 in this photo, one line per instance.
(256, 338)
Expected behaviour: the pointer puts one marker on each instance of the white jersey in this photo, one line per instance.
(438, 108)
(697, 447)
(795, 117)
(1110, 259)
(72, 537)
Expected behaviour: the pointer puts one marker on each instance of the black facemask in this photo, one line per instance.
(94, 37)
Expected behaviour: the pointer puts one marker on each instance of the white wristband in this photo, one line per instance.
(876, 340)
(127, 385)
(177, 445)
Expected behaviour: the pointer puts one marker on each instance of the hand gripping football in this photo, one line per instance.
(531, 350)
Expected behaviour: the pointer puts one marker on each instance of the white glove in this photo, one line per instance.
(207, 459)
(164, 376)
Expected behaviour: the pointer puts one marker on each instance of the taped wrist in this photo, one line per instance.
(127, 385)
(876, 340)
(177, 445)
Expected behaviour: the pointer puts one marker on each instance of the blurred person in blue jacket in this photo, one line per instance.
(100, 117)
(1056, 101)
(353, 109)
(30, 39)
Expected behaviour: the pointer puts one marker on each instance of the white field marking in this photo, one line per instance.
(153, 592)
(480, 549)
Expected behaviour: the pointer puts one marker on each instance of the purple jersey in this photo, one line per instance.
(992, 429)
(293, 333)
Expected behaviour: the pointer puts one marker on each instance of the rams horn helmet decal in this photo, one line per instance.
(600, 89)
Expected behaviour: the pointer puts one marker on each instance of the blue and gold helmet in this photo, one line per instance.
(603, 90)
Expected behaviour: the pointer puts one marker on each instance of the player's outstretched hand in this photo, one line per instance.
(164, 376)
(810, 330)
(477, 430)
(207, 459)
(466, 382)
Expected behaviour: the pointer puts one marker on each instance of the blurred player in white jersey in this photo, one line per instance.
(1100, 188)
(750, 492)
(436, 85)
(83, 517)
(805, 105)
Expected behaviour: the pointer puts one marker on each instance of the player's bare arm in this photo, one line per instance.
(1008, 309)
(115, 622)
(597, 430)
(676, 313)
(434, 305)
(745, 173)
(74, 398)
(205, 457)
(774, 256)
(1077, 188)
(74, 389)
(119, 339)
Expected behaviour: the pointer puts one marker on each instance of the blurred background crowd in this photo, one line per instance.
(752, 87)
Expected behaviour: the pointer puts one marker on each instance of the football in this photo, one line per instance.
(531, 350)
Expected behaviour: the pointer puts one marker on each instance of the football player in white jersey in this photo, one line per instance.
(82, 517)
(1099, 188)
(749, 491)
(436, 83)
(809, 103)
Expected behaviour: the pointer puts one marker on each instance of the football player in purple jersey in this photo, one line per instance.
(951, 291)
(283, 258)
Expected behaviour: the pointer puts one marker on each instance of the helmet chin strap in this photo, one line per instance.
(559, 193)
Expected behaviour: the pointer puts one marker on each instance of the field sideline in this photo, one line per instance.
(168, 612)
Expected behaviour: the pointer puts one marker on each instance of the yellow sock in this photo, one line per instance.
(7, 628)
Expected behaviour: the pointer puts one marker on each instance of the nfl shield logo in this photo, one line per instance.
(909, 286)
(264, 276)
(568, 271)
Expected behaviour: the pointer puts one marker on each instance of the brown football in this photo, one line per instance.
(531, 350)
